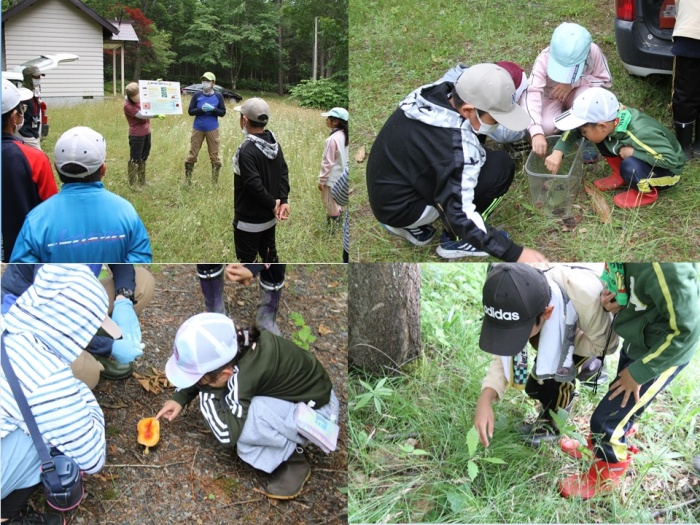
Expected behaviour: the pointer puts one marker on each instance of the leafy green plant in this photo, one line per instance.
(302, 337)
(472, 464)
(376, 394)
(321, 94)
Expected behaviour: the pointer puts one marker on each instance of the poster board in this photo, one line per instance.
(160, 98)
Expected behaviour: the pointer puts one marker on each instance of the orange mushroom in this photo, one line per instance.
(149, 432)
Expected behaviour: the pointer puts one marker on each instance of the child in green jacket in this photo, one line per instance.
(248, 385)
(644, 155)
(660, 329)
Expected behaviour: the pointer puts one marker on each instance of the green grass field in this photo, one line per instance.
(194, 224)
(410, 460)
(398, 45)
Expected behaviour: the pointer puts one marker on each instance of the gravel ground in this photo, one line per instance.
(188, 477)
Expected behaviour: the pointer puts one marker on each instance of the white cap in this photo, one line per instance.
(490, 88)
(12, 96)
(592, 106)
(82, 146)
(203, 343)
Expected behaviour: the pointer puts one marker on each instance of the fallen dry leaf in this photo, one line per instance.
(598, 203)
(154, 382)
(360, 155)
(324, 330)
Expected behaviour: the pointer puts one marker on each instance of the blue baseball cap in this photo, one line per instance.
(568, 51)
(340, 113)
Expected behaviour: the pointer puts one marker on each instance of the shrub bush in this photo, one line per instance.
(321, 94)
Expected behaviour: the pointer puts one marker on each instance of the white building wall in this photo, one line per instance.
(54, 26)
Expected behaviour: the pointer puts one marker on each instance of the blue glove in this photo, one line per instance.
(129, 347)
(124, 351)
(206, 107)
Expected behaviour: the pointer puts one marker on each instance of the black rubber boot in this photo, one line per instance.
(215, 170)
(684, 134)
(288, 479)
(133, 171)
(266, 314)
(213, 291)
(189, 166)
(696, 145)
(142, 173)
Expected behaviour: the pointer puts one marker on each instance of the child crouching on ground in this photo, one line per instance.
(248, 386)
(643, 154)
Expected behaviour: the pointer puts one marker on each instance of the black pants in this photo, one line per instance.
(15, 501)
(552, 394)
(251, 245)
(139, 147)
(610, 421)
(686, 95)
(495, 178)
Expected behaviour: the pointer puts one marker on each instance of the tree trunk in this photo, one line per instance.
(280, 72)
(383, 316)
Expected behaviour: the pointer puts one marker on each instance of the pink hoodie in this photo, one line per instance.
(537, 101)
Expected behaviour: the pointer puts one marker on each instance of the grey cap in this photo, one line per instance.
(490, 88)
(255, 109)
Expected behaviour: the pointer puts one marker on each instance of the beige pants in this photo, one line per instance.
(196, 140)
(332, 207)
(86, 368)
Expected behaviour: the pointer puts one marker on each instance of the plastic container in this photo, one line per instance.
(555, 194)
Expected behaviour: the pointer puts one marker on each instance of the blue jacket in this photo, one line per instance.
(83, 223)
(204, 121)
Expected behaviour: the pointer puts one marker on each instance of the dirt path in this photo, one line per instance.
(188, 477)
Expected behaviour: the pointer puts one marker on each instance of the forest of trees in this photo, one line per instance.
(262, 45)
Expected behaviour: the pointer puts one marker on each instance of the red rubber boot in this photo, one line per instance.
(635, 199)
(601, 478)
(615, 180)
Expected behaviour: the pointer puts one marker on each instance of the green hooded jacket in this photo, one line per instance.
(661, 323)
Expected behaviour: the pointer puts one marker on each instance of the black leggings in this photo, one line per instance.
(139, 147)
(15, 501)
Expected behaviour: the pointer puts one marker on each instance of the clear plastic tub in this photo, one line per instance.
(555, 194)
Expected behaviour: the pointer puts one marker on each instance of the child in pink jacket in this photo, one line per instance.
(568, 67)
(334, 161)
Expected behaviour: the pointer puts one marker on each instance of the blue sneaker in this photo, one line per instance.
(418, 236)
(450, 249)
(590, 153)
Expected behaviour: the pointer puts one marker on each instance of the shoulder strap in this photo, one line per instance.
(47, 464)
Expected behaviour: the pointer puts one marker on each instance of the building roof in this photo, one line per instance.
(108, 28)
(125, 31)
